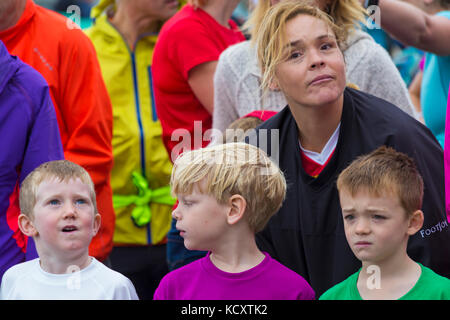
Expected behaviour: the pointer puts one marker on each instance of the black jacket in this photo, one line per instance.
(307, 233)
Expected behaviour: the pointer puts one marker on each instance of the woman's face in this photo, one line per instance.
(313, 72)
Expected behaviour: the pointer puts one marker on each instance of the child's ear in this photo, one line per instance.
(26, 226)
(97, 223)
(238, 205)
(415, 222)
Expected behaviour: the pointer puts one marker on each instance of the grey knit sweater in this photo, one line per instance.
(237, 79)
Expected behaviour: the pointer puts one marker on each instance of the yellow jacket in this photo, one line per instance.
(137, 142)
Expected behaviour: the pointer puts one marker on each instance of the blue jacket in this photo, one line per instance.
(29, 136)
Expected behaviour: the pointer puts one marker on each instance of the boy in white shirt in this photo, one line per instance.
(58, 209)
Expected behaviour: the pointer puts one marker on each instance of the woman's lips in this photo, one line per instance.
(321, 79)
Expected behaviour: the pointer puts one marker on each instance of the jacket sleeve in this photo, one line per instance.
(86, 113)
(44, 141)
(430, 245)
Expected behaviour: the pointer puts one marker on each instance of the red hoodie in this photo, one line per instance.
(66, 58)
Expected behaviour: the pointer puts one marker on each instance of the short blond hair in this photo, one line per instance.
(347, 14)
(385, 171)
(271, 39)
(233, 168)
(61, 170)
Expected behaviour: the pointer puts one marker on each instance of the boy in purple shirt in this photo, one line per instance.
(226, 194)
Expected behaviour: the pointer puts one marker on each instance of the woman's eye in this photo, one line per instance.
(326, 46)
(295, 55)
(379, 217)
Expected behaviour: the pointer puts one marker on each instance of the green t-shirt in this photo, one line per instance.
(430, 286)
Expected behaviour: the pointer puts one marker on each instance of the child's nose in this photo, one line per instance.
(69, 210)
(362, 227)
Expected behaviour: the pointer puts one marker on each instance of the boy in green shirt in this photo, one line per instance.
(381, 196)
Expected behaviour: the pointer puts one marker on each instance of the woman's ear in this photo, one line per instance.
(415, 222)
(237, 208)
(27, 226)
(274, 86)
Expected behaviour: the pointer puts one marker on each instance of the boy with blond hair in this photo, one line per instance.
(381, 197)
(226, 194)
(58, 209)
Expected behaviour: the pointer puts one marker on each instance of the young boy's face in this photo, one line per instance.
(376, 228)
(200, 219)
(64, 217)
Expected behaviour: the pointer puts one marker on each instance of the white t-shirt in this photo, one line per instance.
(28, 281)
(326, 152)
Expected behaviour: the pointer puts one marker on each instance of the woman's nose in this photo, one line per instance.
(315, 59)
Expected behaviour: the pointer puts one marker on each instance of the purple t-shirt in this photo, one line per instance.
(202, 280)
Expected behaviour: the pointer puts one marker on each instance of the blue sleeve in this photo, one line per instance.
(44, 141)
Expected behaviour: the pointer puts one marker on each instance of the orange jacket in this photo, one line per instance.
(66, 58)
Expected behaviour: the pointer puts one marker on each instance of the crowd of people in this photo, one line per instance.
(173, 152)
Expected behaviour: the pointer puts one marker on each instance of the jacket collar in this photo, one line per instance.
(102, 24)
(27, 16)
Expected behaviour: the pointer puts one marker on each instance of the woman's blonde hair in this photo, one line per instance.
(271, 39)
(347, 14)
(222, 171)
(61, 170)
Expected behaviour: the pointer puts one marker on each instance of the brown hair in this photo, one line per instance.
(62, 170)
(385, 170)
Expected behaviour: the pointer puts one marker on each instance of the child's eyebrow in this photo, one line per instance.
(375, 209)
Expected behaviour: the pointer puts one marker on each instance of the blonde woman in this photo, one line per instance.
(238, 77)
(325, 126)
